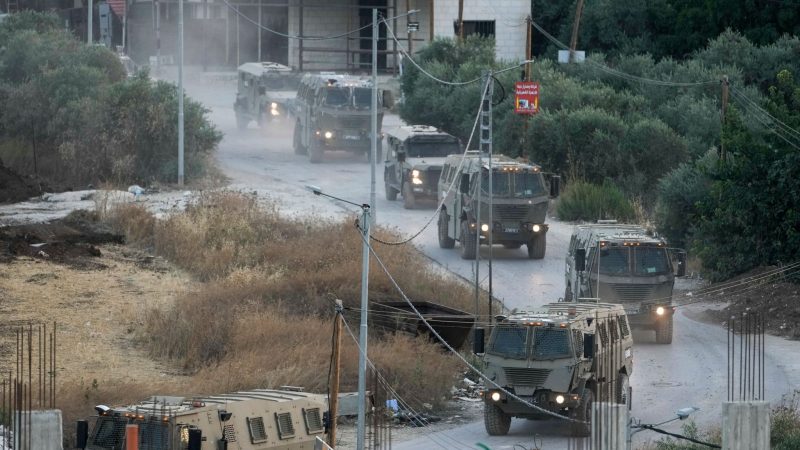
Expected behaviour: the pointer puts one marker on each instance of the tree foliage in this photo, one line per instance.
(69, 112)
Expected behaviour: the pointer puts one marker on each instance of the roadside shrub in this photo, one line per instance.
(585, 201)
(134, 222)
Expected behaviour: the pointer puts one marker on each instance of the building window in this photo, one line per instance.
(484, 28)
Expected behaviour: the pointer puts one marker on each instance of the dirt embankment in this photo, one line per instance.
(15, 187)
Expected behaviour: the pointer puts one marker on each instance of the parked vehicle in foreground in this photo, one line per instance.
(414, 158)
(632, 267)
(510, 211)
(555, 359)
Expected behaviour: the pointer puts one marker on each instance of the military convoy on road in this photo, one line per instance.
(333, 112)
(624, 264)
(253, 420)
(414, 158)
(558, 361)
(265, 91)
(510, 211)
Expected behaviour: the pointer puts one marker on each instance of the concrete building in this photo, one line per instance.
(226, 33)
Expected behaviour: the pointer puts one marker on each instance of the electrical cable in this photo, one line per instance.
(765, 121)
(679, 436)
(451, 349)
(618, 73)
(779, 123)
(400, 399)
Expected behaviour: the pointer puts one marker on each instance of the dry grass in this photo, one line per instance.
(263, 317)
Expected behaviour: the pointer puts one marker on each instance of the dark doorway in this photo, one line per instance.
(365, 36)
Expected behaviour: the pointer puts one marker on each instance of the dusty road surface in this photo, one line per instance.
(690, 372)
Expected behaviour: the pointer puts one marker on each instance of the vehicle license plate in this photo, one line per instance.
(351, 137)
(631, 310)
(511, 230)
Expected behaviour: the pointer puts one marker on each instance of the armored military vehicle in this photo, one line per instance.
(265, 91)
(334, 113)
(252, 420)
(555, 359)
(512, 209)
(414, 158)
(632, 268)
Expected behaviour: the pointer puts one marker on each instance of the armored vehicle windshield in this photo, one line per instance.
(523, 341)
(516, 184)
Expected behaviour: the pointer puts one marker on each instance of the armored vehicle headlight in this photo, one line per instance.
(495, 396)
(328, 134)
(536, 228)
(559, 399)
(273, 105)
(485, 227)
(415, 173)
(660, 310)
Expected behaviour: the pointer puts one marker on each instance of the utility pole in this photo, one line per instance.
(90, 26)
(460, 20)
(574, 41)
(725, 86)
(374, 115)
(337, 362)
(362, 338)
(528, 48)
(180, 92)
(158, 36)
(486, 147)
(409, 33)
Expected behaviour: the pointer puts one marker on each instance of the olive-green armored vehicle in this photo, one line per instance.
(265, 92)
(512, 209)
(252, 420)
(634, 268)
(555, 359)
(414, 158)
(334, 113)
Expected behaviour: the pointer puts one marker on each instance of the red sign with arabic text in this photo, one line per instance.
(526, 97)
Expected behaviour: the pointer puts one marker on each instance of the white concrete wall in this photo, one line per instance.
(319, 22)
(509, 17)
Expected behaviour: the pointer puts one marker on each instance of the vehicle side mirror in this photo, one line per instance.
(477, 342)
(588, 346)
(555, 186)
(680, 258)
(388, 99)
(580, 259)
(464, 186)
(401, 155)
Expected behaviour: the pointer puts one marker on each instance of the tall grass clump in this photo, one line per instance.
(587, 201)
(263, 315)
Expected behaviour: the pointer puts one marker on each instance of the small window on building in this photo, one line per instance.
(313, 420)
(484, 28)
(285, 425)
(258, 433)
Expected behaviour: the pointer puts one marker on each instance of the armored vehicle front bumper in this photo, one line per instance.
(556, 402)
(648, 316)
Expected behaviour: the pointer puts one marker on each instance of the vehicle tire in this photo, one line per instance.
(297, 143)
(409, 202)
(512, 245)
(495, 420)
(467, 242)
(315, 152)
(623, 383)
(583, 413)
(391, 192)
(241, 122)
(568, 294)
(537, 246)
(445, 241)
(664, 331)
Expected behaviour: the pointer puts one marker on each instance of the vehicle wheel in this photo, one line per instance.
(568, 294)
(495, 420)
(391, 192)
(537, 246)
(583, 413)
(445, 241)
(467, 242)
(664, 331)
(241, 122)
(315, 152)
(623, 383)
(409, 202)
(298, 142)
(512, 245)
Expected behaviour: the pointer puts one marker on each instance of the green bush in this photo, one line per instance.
(585, 201)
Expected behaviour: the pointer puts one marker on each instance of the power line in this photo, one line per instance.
(623, 75)
(769, 121)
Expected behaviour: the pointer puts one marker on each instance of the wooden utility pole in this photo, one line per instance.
(725, 85)
(575, 26)
(528, 47)
(334, 398)
(409, 33)
(460, 20)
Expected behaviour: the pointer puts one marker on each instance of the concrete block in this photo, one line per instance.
(610, 423)
(745, 425)
(45, 432)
